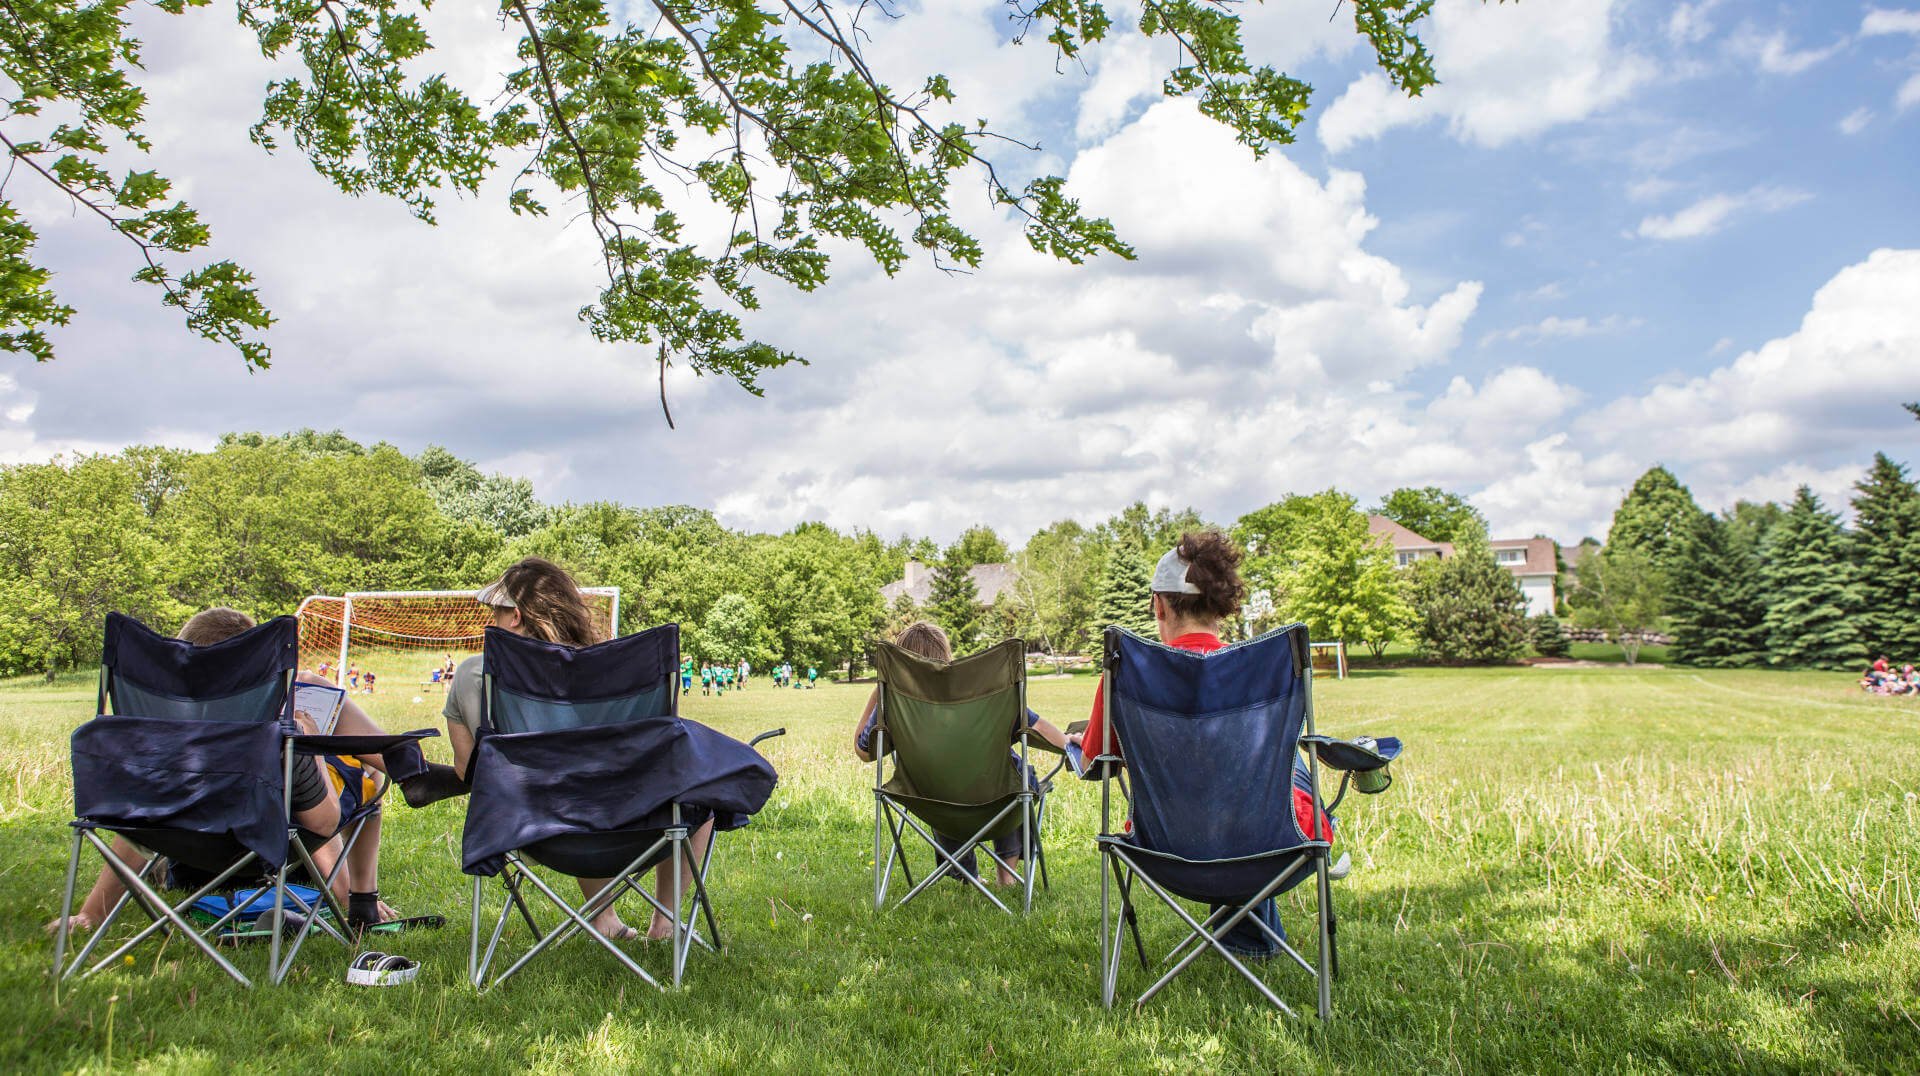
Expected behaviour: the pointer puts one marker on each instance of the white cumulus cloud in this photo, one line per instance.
(1507, 72)
(1879, 21)
(1714, 212)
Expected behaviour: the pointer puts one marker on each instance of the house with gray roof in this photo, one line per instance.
(989, 582)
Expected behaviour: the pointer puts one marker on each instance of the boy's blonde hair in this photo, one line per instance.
(215, 625)
(925, 638)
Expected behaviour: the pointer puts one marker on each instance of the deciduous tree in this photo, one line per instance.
(1657, 518)
(74, 546)
(1432, 512)
(1618, 590)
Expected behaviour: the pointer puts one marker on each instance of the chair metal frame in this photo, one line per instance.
(579, 918)
(168, 917)
(674, 839)
(892, 818)
(1121, 869)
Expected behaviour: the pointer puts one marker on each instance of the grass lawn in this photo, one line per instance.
(1578, 869)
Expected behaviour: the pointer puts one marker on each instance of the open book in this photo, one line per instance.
(321, 703)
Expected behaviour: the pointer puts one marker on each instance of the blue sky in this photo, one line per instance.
(1619, 233)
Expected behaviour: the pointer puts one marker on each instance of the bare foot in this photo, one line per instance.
(613, 928)
(78, 923)
(660, 929)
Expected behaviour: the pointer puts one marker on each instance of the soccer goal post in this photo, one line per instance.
(337, 630)
(1339, 654)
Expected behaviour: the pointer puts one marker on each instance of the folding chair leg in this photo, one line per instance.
(951, 860)
(579, 922)
(165, 915)
(473, 935)
(493, 941)
(517, 899)
(700, 892)
(880, 877)
(677, 850)
(1028, 840)
(906, 868)
(66, 912)
(1132, 920)
(1040, 853)
(1211, 938)
(100, 929)
(1324, 974)
(279, 922)
(1110, 927)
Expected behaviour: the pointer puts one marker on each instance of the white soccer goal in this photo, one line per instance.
(1339, 655)
(391, 624)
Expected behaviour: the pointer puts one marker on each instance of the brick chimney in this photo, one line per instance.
(916, 571)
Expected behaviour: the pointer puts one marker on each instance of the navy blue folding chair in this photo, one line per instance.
(191, 756)
(1210, 743)
(583, 765)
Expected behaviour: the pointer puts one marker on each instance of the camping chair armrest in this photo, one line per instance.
(357, 745)
(767, 735)
(1339, 754)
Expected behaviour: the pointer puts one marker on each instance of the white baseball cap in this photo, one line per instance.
(1170, 575)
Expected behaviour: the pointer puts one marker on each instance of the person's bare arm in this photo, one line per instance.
(1050, 733)
(460, 738)
(873, 703)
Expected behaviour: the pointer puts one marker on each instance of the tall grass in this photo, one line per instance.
(1584, 869)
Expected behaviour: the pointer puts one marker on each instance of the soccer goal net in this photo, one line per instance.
(409, 635)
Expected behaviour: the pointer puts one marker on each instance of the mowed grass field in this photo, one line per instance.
(1578, 869)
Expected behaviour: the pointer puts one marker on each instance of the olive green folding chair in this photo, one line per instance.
(951, 728)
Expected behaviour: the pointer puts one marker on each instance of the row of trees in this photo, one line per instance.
(260, 522)
(1762, 584)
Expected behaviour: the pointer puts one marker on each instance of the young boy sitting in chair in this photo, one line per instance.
(325, 790)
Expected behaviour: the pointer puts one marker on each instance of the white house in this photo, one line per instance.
(1531, 560)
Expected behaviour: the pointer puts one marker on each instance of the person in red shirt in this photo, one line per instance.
(1197, 589)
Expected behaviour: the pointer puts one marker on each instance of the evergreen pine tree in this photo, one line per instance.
(1717, 598)
(1126, 589)
(1813, 592)
(1886, 513)
(1548, 636)
(955, 603)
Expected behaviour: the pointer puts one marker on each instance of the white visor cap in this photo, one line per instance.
(1170, 575)
(495, 594)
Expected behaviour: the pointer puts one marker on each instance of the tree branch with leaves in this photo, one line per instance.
(775, 116)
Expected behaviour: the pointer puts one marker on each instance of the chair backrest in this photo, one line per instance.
(535, 686)
(242, 679)
(1210, 740)
(950, 724)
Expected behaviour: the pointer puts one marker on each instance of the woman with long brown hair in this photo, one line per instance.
(539, 599)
